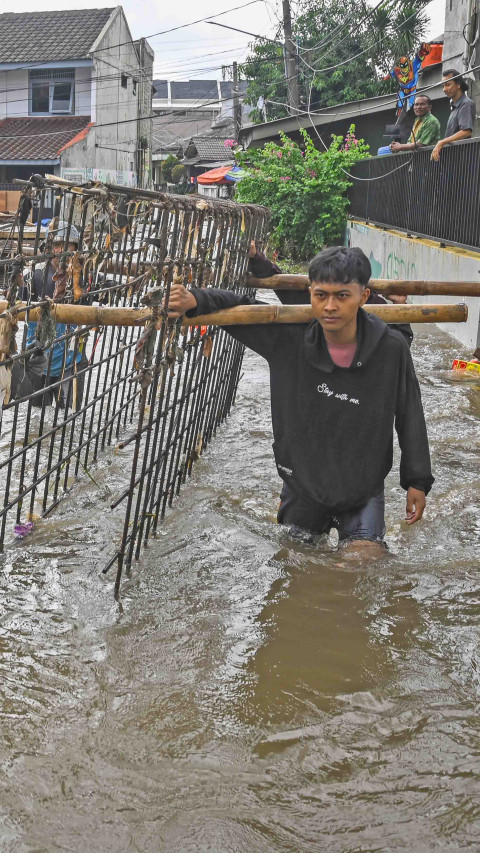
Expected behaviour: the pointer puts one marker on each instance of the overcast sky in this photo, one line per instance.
(195, 52)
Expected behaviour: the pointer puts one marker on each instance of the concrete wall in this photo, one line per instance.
(13, 93)
(116, 107)
(457, 15)
(145, 125)
(463, 15)
(395, 256)
(109, 151)
(83, 86)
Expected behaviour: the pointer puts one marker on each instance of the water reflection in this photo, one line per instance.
(255, 694)
(316, 641)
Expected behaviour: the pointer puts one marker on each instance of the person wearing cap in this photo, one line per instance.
(462, 117)
(46, 367)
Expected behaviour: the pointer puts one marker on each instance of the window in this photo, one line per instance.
(124, 81)
(52, 92)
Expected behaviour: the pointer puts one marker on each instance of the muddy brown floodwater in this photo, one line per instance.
(252, 693)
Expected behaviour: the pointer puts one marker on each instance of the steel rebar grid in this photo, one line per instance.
(87, 396)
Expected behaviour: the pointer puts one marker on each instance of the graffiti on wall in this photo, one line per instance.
(397, 268)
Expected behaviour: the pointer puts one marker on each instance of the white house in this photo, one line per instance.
(75, 97)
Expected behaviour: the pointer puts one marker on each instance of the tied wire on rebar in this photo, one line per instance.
(70, 392)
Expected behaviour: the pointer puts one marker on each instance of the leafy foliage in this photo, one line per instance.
(306, 190)
(167, 165)
(330, 34)
(178, 173)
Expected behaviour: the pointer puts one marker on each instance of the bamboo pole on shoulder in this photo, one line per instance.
(240, 315)
(243, 315)
(418, 287)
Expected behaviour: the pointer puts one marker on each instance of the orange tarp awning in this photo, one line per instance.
(215, 176)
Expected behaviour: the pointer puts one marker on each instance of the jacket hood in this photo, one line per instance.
(370, 331)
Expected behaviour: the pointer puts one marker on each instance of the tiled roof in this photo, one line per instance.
(208, 149)
(33, 138)
(50, 36)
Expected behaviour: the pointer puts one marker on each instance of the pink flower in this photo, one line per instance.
(286, 178)
(229, 143)
(312, 173)
(279, 154)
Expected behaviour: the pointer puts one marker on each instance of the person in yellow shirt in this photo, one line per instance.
(426, 128)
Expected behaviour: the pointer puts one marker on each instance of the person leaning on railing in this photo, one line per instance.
(462, 117)
(425, 130)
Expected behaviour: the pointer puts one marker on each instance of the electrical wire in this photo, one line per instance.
(352, 58)
(375, 106)
(132, 42)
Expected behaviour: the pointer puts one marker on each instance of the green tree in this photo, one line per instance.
(328, 35)
(306, 190)
(167, 166)
(178, 173)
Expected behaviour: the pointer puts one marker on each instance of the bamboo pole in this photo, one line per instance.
(241, 315)
(385, 286)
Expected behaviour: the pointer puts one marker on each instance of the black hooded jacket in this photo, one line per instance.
(333, 426)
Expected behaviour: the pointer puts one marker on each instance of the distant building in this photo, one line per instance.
(203, 153)
(75, 97)
(191, 109)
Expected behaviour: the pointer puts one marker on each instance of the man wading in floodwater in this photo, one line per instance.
(338, 386)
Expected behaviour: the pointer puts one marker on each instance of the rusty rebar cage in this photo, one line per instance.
(71, 392)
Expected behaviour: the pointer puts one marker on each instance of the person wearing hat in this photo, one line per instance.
(47, 367)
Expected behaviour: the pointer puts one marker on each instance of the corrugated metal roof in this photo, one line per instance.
(50, 36)
(33, 138)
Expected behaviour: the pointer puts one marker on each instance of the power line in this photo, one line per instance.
(338, 65)
(369, 47)
(111, 123)
(132, 42)
(375, 106)
(183, 26)
(357, 24)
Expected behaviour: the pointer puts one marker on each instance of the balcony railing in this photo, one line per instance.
(440, 200)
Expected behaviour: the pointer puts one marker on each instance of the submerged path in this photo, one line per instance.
(252, 693)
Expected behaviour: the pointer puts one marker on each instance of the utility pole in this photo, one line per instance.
(290, 61)
(237, 107)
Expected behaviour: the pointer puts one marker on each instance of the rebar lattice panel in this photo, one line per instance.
(160, 388)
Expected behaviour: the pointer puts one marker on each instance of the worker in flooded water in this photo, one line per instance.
(338, 387)
(58, 363)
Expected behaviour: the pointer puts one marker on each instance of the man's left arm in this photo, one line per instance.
(456, 137)
(415, 470)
